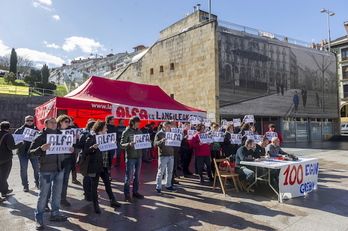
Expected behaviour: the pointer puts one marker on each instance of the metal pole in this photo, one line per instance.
(209, 10)
(328, 26)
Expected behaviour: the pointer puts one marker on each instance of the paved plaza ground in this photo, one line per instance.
(196, 206)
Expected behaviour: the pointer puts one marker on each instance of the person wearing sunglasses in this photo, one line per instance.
(23, 156)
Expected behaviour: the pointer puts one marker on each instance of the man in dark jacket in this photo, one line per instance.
(133, 158)
(119, 129)
(111, 128)
(23, 155)
(7, 144)
(51, 173)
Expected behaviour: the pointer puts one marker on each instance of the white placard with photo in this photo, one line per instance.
(237, 122)
(270, 135)
(190, 134)
(249, 133)
(257, 138)
(249, 119)
(142, 141)
(217, 136)
(177, 130)
(29, 134)
(236, 138)
(205, 138)
(173, 139)
(106, 141)
(18, 138)
(60, 143)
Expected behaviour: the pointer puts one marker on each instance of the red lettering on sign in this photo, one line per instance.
(135, 111)
(120, 113)
(143, 114)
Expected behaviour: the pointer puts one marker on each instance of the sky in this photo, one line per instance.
(57, 31)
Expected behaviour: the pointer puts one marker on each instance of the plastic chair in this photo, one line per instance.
(226, 174)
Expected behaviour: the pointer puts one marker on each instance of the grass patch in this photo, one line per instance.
(61, 90)
(17, 82)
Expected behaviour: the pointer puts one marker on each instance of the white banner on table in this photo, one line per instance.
(217, 136)
(237, 122)
(190, 134)
(236, 138)
(249, 119)
(299, 178)
(205, 138)
(173, 139)
(29, 134)
(270, 135)
(177, 130)
(18, 138)
(206, 122)
(72, 131)
(60, 143)
(142, 141)
(106, 141)
(257, 138)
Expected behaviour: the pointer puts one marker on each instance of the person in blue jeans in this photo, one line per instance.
(23, 156)
(133, 158)
(51, 174)
(165, 159)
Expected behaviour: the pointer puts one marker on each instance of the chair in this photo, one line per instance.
(226, 174)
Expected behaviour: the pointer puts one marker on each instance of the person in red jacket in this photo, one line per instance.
(272, 128)
(202, 153)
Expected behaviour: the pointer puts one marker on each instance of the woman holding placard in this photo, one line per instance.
(98, 166)
(228, 148)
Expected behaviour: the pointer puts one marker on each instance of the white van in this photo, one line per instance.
(344, 128)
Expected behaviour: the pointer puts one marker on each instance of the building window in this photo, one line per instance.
(172, 66)
(151, 71)
(345, 91)
(172, 96)
(344, 54)
(345, 72)
(161, 68)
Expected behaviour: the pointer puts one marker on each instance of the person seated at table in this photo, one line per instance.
(245, 153)
(260, 150)
(274, 149)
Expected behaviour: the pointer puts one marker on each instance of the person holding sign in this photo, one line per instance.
(133, 158)
(272, 128)
(23, 156)
(216, 145)
(202, 152)
(98, 166)
(186, 151)
(51, 173)
(165, 159)
(7, 144)
(229, 149)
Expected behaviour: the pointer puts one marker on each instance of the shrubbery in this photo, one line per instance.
(10, 77)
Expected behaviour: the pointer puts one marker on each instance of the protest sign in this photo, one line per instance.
(206, 122)
(270, 135)
(257, 138)
(217, 136)
(106, 141)
(205, 138)
(29, 134)
(249, 119)
(236, 138)
(18, 138)
(225, 123)
(194, 120)
(173, 139)
(142, 141)
(177, 130)
(60, 143)
(72, 131)
(249, 133)
(237, 122)
(190, 134)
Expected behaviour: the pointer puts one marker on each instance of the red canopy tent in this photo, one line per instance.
(99, 97)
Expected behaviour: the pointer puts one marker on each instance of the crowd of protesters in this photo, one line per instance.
(52, 171)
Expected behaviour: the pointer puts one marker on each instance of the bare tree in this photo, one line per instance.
(24, 64)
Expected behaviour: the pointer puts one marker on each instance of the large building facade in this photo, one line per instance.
(232, 73)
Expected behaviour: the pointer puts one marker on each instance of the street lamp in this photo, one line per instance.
(329, 13)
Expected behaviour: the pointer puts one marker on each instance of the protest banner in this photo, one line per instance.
(257, 138)
(225, 123)
(236, 138)
(106, 141)
(237, 122)
(18, 138)
(29, 134)
(173, 139)
(249, 119)
(190, 134)
(249, 133)
(205, 138)
(177, 130)
(270, 135)
(142, 141)
(194, 120)
(206, 122)
(72, 131)
(60, 143)
(217, 136)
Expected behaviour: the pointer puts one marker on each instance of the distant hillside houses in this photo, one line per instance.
(80, 70)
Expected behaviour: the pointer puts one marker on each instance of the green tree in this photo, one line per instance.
(13, 61)
(45, 73)
(10, 77)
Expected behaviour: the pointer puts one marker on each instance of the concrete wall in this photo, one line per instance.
(194, 53)
(14, 109)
